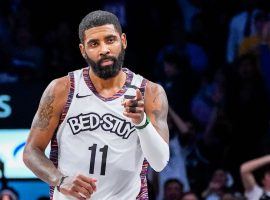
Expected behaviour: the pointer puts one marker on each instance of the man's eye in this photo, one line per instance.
(93, 44)
(110, 40)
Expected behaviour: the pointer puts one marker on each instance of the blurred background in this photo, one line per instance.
(212, 58)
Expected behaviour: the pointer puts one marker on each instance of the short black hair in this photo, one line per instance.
(261, 172)
(98, 18)
(173, 180)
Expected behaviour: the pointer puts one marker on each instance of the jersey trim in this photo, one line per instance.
(116, 95)
(143, 195)
(70, 97)
(54, 143)
(143, 85)
(54, 158)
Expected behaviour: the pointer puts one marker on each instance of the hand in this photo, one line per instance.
(80, 186)
(134, 108)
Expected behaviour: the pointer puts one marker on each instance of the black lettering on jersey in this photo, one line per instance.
(107, 122)
(84, 122)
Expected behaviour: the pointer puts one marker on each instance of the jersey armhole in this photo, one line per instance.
(70, 97)
(143, 86)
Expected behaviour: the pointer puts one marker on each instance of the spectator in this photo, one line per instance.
(247, 110)
(176, 167)
(189, 196)
(241, 26)
(254, 190)
(176, 82)
(173, 189)
(219, 184)
(251, 43)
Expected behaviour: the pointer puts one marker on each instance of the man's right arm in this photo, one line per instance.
(43, 127)
(248, 167)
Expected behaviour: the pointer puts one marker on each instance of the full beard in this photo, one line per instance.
(106, 72)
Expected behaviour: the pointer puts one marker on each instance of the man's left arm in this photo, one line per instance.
(149, 116)
(156, 108)
(154, 138)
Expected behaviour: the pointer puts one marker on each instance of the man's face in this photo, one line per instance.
(190, 197)
(266, 179)
(104, 50)
(173, 191)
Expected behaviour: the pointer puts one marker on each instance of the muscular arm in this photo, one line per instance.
(156, 108)
(248, 167)
(154, 136)
(43, 127)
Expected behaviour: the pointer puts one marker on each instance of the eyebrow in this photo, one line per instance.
(110, 36)
(92, 40)
(106, 37)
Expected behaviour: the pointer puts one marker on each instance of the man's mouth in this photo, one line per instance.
(106, 62)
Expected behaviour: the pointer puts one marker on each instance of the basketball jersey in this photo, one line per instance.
(95, 139)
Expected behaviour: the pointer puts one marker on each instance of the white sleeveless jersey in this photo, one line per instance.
(94, 138)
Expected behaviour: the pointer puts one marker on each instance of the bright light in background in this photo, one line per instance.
(12, 142)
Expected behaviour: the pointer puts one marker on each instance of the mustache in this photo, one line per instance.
(106, 58)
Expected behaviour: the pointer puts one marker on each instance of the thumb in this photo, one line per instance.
(138, 95)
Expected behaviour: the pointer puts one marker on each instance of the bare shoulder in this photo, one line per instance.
(59, 86)
(156, 108)
(56, 92)
(156, 103)
(155, 95)
(52, 102)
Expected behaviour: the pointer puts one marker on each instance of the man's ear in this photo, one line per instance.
(124, 40)
(82, 50)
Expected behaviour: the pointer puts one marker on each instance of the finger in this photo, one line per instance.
(132, 115)
(85, 178)
(86, 186)
(129, 96)
(89, 180)
(138, 95)
(77, 195)
(134, 109)
(131, 109)
(83, 191)
(134, 103)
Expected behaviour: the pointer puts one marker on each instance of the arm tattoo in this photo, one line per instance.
(156, 97)
(160, 112)
(44, 115)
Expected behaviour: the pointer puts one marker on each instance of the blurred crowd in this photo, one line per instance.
(211, 57)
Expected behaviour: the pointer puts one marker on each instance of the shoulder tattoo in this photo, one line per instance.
(160, 111)
(44, 114)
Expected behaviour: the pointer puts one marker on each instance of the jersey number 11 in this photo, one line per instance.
(104, 151)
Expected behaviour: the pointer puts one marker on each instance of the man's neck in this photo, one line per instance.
(108, 87)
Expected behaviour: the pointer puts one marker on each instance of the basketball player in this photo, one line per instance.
(103, 121)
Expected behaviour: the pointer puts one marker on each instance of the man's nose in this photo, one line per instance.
(104, 50)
